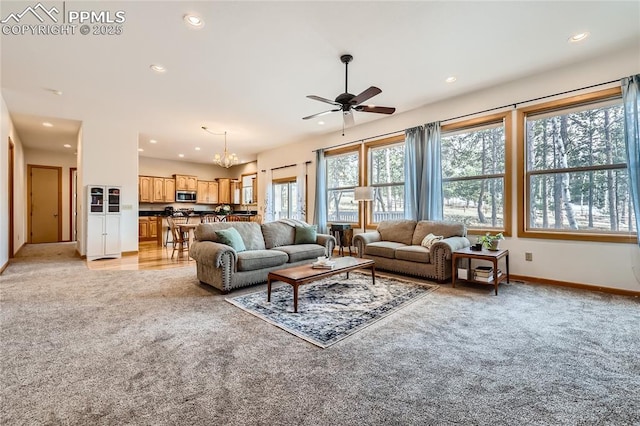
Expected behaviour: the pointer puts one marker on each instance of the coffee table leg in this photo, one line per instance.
(373, 274)
(268, 289)
(295, 298)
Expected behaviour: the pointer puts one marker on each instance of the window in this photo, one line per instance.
(343, 176)
(386, 176)
(575, 171)
(475, 173)
(285, 198)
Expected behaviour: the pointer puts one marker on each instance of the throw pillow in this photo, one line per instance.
(232, 238)
(306, 234)
(430, 239)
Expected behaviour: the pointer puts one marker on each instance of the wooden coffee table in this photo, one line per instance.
(305, 274)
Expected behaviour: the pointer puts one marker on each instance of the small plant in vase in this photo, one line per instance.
(491, 241)
(223, 209)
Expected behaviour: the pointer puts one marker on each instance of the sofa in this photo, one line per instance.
(421, 248)
(266, 248)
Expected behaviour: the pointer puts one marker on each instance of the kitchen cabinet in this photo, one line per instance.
(164, 190)
(148, 228)
(186, 183)
(103, 222)
(144, 189)
(207, 192)
(224, 191)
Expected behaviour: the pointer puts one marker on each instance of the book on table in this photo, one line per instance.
(324, 265)
(483, 271)
(487, 279)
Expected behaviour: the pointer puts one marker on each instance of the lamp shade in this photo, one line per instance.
(364, 193)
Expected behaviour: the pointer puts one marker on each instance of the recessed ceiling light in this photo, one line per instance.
(450, 79)
(66, 145)
(321, 123)
(197, 148)
(578, 37)
(47, 124)
(153, 141)
(181, 155)
(194, 21)
(158, 68)
(140, 149)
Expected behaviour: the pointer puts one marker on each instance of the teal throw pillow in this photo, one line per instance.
(306, 234)
(232, 238)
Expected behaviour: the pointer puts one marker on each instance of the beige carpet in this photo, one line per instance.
(82, 347)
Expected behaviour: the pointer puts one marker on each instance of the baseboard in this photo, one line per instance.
(130, 253)
(3, 267)
(580, 286)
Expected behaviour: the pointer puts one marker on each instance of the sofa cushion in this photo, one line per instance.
(413, 254)
(300, 252)
(232, 238)
(383, 249)
(399, 231)
(249, 231)
(278, 234)
(306, 234)
(252, 260)
(437, 227)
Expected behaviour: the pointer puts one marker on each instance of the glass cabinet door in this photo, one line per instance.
(114, 200)
(97, 200)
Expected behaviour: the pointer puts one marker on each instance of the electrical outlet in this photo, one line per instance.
(528, 257)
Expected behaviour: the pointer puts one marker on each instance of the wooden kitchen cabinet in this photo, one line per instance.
(148, 228)
(224, 191)
(158, 190)
(207, 192)
(186, 183)
(169, 190)
(145, 184)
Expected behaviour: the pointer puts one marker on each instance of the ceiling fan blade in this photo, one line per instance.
(348, 119)
(376, 109)
(367, 94)
(321, 99)
(321, 113)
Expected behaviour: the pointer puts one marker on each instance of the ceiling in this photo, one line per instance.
(248, 70)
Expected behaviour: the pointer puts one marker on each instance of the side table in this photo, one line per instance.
(343, 234)
(484, 254)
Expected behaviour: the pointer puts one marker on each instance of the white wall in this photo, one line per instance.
(108, 155)
(57, 159)
(598, 264)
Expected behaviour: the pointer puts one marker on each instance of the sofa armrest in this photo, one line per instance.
(443, 249)
(213, 253)
(328, 241)
(360, 241)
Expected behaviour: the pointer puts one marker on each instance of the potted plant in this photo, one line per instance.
(491, 241)
(223, 209)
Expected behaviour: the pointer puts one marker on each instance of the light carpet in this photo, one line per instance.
(333, 308)
(83, 347)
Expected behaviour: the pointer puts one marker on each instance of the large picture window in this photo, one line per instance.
(386, 176)
(575, 172)
(475, 172)
(285, 198)
(343, 176)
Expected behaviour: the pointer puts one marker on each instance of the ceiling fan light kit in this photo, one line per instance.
(347, 102)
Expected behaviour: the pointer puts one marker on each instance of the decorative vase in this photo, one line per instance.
(493, 245)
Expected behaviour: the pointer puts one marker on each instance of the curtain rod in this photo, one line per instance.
(514, 104)
(284, 167)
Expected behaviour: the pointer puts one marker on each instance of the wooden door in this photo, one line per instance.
(143, 228)
(153, 228)
(45, 206)
(192, 183)
(203, 192)
(144, 189)
(181, 182)
(158, 190)
(169, 190)
(213, 192)
(224, 191)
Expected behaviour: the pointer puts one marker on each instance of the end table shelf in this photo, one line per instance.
(488, 255)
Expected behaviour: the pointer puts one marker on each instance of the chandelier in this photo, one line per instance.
(225, 159)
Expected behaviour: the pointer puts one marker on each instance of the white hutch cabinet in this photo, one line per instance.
(103, 222)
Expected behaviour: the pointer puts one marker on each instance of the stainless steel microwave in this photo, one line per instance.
(186, 196)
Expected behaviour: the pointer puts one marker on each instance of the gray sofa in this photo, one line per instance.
(269, 246)
(396, 246)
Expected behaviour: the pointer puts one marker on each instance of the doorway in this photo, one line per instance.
(10, 168)
(73, 204)
(44, 188)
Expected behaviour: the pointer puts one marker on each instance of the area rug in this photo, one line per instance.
(333, 308)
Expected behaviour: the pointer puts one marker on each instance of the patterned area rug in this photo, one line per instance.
(333, 308)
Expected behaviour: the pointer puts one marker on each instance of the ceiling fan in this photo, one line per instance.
(347, 102)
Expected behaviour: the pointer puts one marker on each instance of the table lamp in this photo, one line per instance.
(364, 193)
